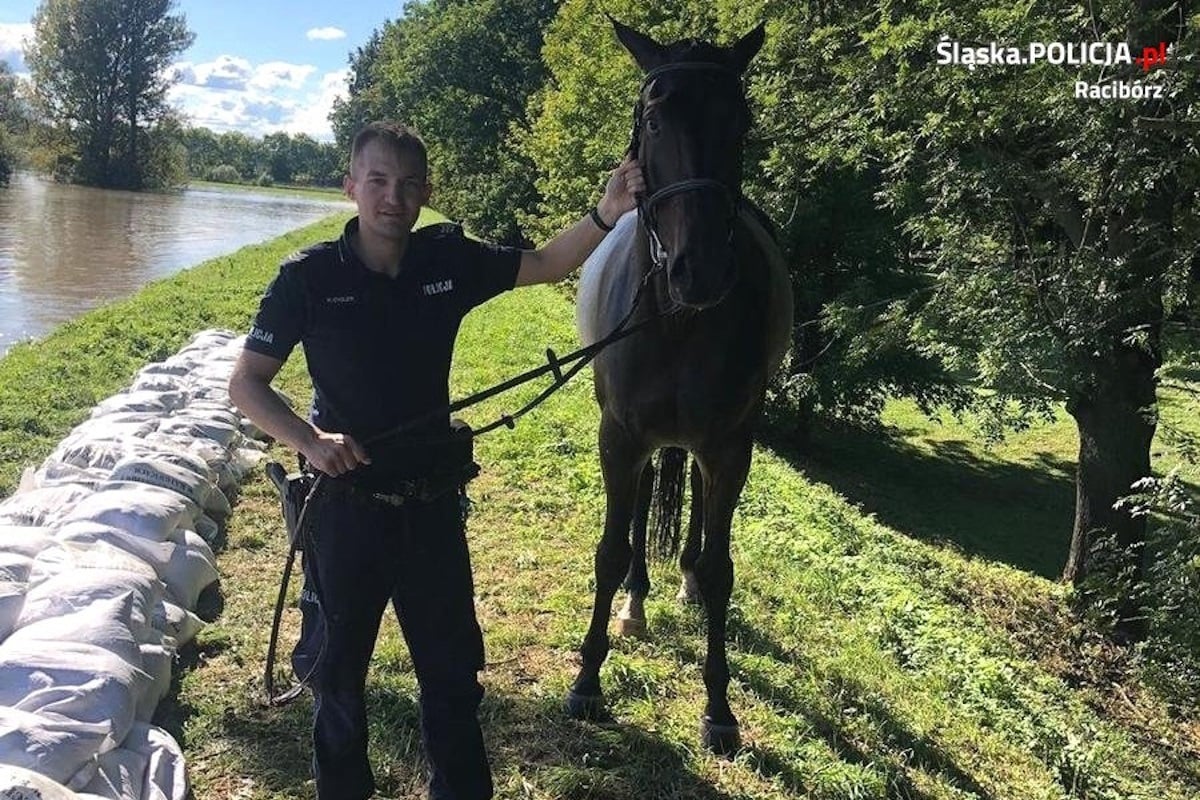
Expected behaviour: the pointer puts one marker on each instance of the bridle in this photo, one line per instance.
(647, 205)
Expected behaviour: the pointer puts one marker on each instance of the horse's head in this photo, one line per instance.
(690, 126)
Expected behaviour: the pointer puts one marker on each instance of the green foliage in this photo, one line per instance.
(100, 77)
(855, 284)
(425, 70)
(291, 159)
(13, 121)
(224, 173)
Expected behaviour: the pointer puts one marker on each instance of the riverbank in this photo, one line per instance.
(327, 193)
(867, 662)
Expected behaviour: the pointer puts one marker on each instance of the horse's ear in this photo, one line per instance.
(748, 47)
(645, 51)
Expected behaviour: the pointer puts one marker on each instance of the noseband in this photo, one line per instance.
(647, 205)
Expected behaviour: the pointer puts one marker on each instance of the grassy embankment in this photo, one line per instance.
(311, 192)
(875, 655)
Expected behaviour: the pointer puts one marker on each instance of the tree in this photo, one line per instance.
(100, 76)
(425, 70)
(1040, 246)
(13, 121)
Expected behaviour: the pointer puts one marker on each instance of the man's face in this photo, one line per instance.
(389, 189)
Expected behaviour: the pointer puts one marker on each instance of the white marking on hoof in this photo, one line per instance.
(631, 620)
(689, 590)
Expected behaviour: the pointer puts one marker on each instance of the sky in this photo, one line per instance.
(256, 66)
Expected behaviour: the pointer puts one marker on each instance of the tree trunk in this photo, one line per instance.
(1116, 423)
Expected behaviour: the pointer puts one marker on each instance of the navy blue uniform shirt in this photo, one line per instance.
(379, 348)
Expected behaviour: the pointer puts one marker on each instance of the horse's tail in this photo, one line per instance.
(668, 501)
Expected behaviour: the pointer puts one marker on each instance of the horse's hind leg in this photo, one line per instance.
(631, 620)
(725, 470)
(621, 462)
(689, 591)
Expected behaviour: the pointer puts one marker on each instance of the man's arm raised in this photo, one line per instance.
(559, 257)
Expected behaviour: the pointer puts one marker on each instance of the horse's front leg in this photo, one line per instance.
(689, 591)
(631, 620)
(621, 462)
(725, 469)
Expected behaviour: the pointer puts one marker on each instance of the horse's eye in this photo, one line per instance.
(652, 125)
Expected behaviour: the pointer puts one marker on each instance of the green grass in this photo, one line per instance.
(883, 643)
(315, 192)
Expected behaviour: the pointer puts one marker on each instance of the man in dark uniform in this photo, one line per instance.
(378, 311)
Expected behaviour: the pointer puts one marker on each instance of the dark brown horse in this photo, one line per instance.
(711, 280)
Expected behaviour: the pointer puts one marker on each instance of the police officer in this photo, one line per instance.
(378, 311)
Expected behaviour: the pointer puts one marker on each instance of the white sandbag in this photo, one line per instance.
(198, 427)
(56, 473)
(41, 506)
(71, 592)
(207, 527)
(186, 570)
(15, 567)
(157, 662)
(177, 622)
(160, 403)
(149, 765)
(199, 490)
(89, 691)
(143, 510)
(12, 601)
(104, 623)
(157, 383)
(25, 540)
(17, 783)
(67, 556)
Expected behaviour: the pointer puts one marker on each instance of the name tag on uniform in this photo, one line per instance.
(438, 287)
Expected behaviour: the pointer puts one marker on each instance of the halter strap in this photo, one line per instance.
(646, 206)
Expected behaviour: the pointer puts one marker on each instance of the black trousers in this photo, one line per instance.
(360, 554)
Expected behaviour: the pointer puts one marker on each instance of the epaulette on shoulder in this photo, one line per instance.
(317, 250)
(441, 230)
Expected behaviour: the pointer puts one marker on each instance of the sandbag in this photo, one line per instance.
(12, 601)
(199, 490)
(149, 765)
(84, 693)
(17, 783)
(104, 623)
(25, 540)
(41, 506)
(185, 569)
(70, 592)
(177, 622)
(142, 510)
(160, 403)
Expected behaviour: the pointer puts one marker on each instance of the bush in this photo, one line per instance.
(224, 173)
(264, 179)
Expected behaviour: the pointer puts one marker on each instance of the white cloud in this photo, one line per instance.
(325, 34)
(13, 36)
(280, 74)
(231, 94)
(224, 72)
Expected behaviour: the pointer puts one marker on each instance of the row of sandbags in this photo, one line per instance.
(104, 552)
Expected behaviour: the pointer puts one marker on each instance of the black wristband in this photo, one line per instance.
(600, 223)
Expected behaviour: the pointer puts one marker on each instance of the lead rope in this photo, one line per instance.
(580, 357)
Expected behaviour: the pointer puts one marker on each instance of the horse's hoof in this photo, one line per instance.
(721, 740)
(689, 590)
(631, 626)
(588, 707)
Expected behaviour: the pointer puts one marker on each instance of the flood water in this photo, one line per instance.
(67, 249)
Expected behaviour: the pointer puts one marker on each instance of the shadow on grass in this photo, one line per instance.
(1014, 513)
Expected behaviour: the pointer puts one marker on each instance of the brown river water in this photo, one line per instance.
(67, 249)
